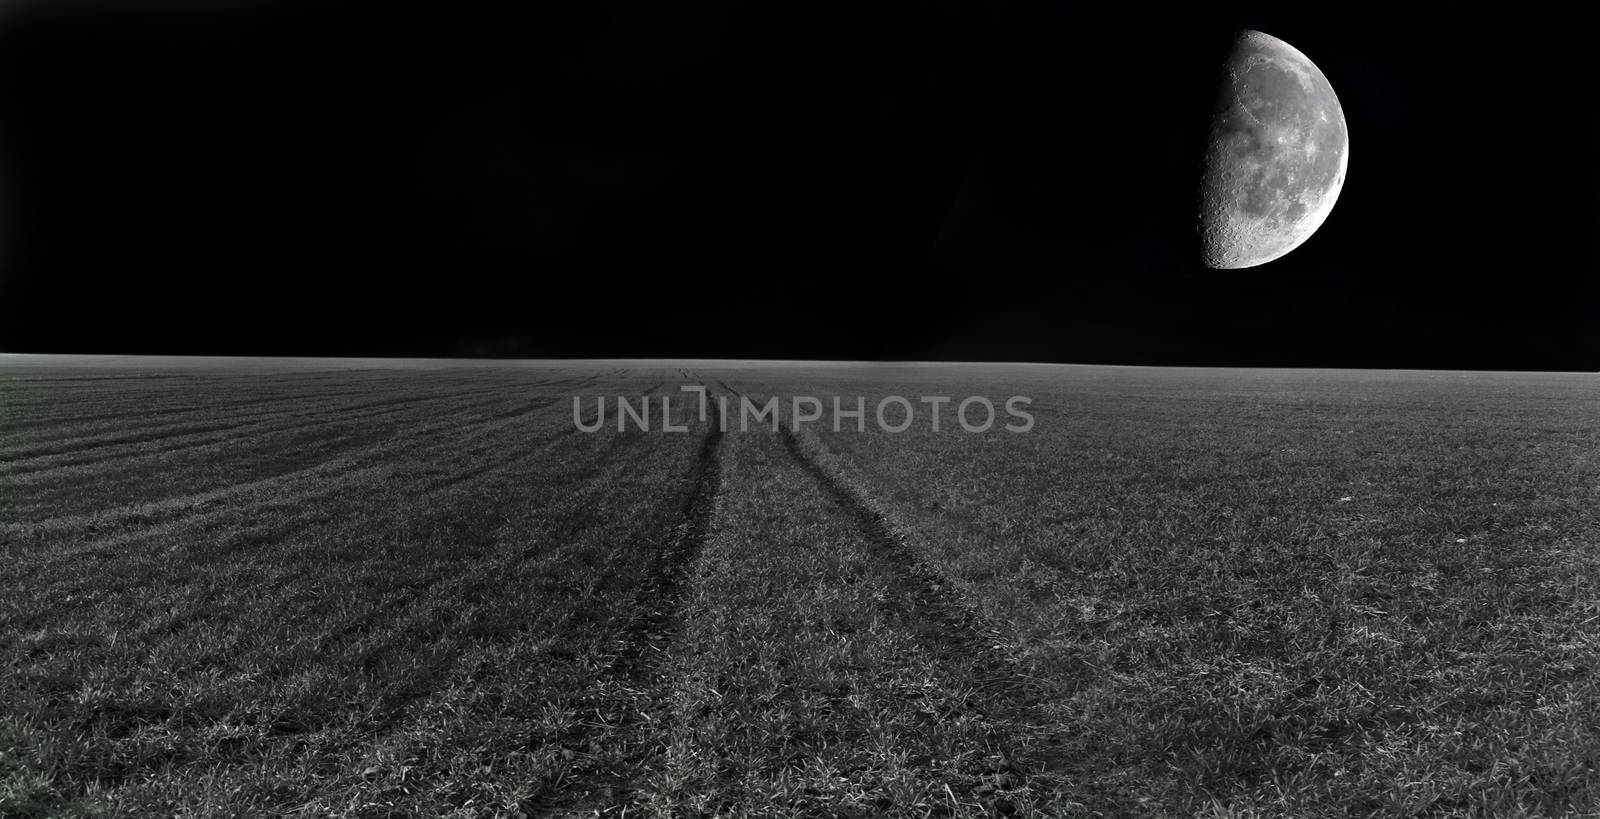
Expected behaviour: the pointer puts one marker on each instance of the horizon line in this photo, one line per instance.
(89, 359)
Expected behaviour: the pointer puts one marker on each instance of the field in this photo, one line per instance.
(416, 588)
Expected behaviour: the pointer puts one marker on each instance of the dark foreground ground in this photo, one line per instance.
(375, 589)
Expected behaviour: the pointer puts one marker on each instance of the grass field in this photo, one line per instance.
(412, 588)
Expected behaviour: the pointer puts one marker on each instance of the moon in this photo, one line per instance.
(1276, 158)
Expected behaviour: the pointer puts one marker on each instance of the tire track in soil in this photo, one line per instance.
(595, 781)
(951, 632)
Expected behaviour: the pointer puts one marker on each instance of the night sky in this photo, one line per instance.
(910, 180)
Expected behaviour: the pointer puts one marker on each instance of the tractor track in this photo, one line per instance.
(662, 593)
(630, 686)
(927, 596)
(945, 626)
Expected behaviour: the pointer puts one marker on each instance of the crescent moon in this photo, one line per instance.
(1276, 158)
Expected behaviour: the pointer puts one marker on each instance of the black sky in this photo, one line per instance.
(926, 180)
